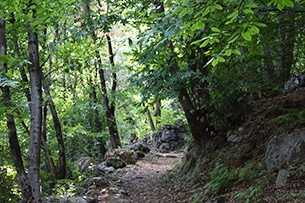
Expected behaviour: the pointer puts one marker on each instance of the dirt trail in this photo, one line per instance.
(146, 181)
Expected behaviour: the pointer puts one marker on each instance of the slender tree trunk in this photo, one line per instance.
(113, 131)
(158, 112)
(36, 114)
(49, 161)
(61, 169)
(95, 123)
(112, 117)
(12, 132)
(109, 106)
(151, 122)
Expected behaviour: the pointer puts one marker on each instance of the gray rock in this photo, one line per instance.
(140, 147)
(114, 190)
(86, 163)
(164, 146)
(281, 178)
(119, 200)
(109, 169)
(170, 138)
(95, 182)
(126, 155)
(166, 134)
(115, 162)
(289, 148)
(66, 200)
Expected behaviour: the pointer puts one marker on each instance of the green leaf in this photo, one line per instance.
(214, 62)
(221, 59)
(177, 10)
(202, 14)
(251, 5)
(233, 15)
(4, 82)
(254, 29)
(184, 2)
(280, 6)
(214, 29)
(218, 7)
(228, 52)
(246, 36)
(288, 3)
(258, 24)
(248, 12)
(182, 13)
(196, 42)
(204, 44)
(198, 26)
(236, 51)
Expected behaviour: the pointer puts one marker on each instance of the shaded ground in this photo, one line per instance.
(147, 180)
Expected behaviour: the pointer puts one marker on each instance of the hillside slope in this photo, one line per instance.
(237, 172)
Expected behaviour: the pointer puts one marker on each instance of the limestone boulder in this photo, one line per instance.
(289, 148)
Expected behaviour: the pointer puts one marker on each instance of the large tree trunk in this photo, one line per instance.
(36, 114)
(197, 118)
(198, 124)
(12, 132)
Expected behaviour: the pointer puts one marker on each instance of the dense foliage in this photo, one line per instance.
(105, 64)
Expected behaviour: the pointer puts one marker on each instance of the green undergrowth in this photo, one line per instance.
(216, 175)
(289, 119)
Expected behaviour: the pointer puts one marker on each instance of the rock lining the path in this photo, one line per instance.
(172, 137)
(286, 149)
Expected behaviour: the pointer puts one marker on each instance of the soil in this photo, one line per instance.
(148, 181)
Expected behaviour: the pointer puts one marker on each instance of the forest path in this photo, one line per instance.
(146, 181)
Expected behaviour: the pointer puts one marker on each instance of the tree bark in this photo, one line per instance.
(110, 106)
(61, 168)
(199, 126)
(12, 132)
(158, 112)
(150, 120)
(112, 128)
(112, 118)
(36, 114)
(196, 117)
(191, 101)
(95, 123)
